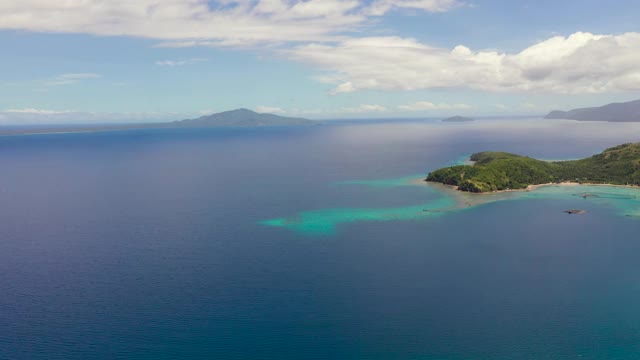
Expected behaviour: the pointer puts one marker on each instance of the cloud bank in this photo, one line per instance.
(32, 116)
(579, 63)
(183, 23)
(322, 34)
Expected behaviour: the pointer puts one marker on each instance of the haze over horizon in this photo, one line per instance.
(319, 59)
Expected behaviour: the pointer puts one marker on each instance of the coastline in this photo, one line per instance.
(466, 199)
(527, 189)
(571, 183)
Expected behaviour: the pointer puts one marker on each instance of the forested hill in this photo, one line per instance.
(495, 171)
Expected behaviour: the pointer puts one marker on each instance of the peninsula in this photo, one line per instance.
(500, 171)
(615, 112)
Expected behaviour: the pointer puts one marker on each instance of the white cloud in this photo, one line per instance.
(426, 105)
(361, 109)
(579, 63)
(68, 79)
(307, 112)
(37, 111)
(34, 116)
(183, 23)
(269, 109)
(380, 7)
(180, 62)
(364, 108)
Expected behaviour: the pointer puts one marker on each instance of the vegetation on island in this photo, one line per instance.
(496, 171)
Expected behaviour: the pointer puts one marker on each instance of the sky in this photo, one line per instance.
(97, 61)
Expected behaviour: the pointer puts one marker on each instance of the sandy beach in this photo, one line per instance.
(528, 188)
(570, 183)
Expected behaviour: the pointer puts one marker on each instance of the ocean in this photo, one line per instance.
(311, 242)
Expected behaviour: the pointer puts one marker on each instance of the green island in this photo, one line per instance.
(501, 171)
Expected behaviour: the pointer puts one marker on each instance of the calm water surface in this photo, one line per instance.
(152, 244)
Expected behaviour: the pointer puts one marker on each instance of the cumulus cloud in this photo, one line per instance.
(180, 62)
(269, 109)
(579, 63)
(182, 23)
(426, 105)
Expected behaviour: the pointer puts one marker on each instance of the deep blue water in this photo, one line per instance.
(148, 245)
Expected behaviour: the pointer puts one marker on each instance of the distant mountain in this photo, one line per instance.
(616, 112)
(241, 118)
(233, 118)
(457, 119)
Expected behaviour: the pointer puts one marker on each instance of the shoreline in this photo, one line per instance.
(571, 183)
(527, 189)
(466, 199)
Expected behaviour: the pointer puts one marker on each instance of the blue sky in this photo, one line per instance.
(87, 61)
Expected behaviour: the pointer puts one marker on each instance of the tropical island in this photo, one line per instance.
(501, 171)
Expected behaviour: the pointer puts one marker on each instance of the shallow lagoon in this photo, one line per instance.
(625, 201)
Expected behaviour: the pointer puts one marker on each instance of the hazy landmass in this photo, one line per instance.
(241, 118)
(616, 112)
(457, 119)
(497, 171)
(233, 118)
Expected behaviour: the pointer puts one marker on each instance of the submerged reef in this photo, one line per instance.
(446, 200)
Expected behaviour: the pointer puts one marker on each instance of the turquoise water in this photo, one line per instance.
(325, 222)
(625, 202)
(402, 181)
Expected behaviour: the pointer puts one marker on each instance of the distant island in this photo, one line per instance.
(232, 118)
(616, 112)
(457, 119)
(241, 118)
(499, 171)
